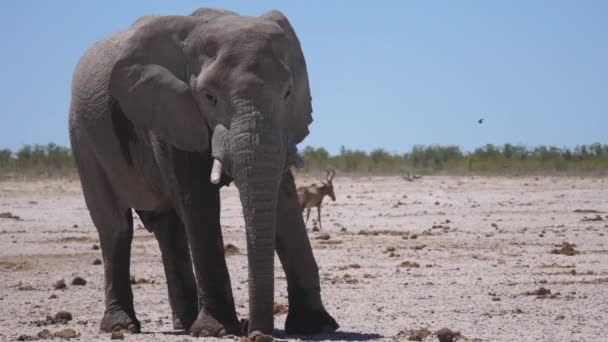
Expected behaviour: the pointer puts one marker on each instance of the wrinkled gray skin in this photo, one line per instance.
(152, 107)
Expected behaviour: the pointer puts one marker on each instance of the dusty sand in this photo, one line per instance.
(481, 244)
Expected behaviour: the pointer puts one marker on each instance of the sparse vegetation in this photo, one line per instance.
(37, 160)
(489, 159)
(55, 160)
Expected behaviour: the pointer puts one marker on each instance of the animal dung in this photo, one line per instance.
(445, 335)
(79, 281)
(63, 315)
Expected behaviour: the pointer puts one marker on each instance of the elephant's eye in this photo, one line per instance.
(287, 93)
(212, 99)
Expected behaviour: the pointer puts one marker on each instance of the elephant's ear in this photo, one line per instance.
(300, 115)
(148, 81)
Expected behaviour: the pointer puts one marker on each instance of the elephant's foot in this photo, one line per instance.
(178, 324)
(183, 319)
(307, 322)
(207, 326)
(118, 319)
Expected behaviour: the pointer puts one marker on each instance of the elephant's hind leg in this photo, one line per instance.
(115, 228)
(171, 237)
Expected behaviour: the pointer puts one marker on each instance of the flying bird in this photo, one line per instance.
(480, 121)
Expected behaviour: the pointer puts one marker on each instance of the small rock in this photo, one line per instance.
(117, 335)
(24, 287)
(66, 334)
(445, 335)
(53, 296)
(27, 338)
(79, 281)
(96, 262)
(95, 247)
(59, 284)
(279, 309)
(324, 237)
(44, 334)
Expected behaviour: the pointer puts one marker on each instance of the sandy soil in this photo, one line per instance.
(457, 252)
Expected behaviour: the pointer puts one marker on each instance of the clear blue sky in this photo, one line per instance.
(385, 74)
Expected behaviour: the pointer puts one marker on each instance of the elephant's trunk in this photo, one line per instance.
(257, 156)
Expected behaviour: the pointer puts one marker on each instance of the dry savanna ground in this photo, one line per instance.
(494, 259)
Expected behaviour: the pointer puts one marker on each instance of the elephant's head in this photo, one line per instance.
(243, 81)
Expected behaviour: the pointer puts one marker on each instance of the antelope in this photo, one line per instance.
(312, 196)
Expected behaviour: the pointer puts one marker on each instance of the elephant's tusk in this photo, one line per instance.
(216, 172)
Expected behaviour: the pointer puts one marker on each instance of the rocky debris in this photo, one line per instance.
(330, 242)
(96, 262)
(383, 232)
(230, 249)
(9, 215)
(59, 284)
(62, 317)
(256, 336)
(136, 281)
(27, 338)
(324, 236)
(565, 249)
(587, 211)
(418, 247)
(44, 334)
(398, 204)
(389, 249)
(409, 264)
(79, 281)
(24, 286)
(95, 247)
(344, 268)
(117, 335)
(592, 219)
(414, 334)
(66, 334)
(542, 293)
(53, 296)
(279, 309)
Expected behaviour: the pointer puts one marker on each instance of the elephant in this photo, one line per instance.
(165, 113)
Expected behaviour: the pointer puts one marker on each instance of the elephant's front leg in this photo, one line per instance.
(217, 314)
(307, 314)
